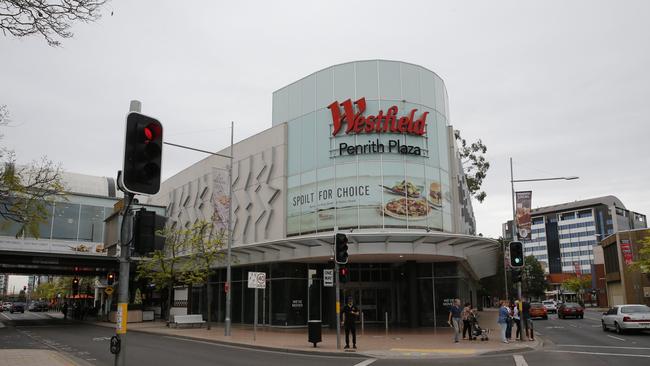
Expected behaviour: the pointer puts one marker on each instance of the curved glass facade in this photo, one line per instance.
(366, 179)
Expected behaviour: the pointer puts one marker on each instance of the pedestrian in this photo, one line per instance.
(525, 317)
(350, 314)
(517, 319)
(64, 310)
(509, 323)
(454, 318)
(465, 315)
(504, 313)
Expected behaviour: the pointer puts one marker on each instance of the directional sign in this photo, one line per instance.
(328, 278)
(109, 290)
(256, 280)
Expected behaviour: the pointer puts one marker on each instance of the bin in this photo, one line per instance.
(315, 331)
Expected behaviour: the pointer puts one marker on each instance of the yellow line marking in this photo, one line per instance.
(435, 350)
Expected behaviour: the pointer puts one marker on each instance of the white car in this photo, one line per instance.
(550, 306)
(627, 317)
(6, 306)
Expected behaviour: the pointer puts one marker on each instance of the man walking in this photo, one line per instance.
(454, 318)
(350, 314)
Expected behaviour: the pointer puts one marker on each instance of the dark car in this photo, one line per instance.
(570, 309)
(17, 307)
(38, 306)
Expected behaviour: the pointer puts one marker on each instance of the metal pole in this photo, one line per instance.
(514, 236)
(228, 258)
(386, 321)
(255, 319)
(338, 305)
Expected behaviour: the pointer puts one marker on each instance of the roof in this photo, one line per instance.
(604, 200)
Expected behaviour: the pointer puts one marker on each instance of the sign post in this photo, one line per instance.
(256, 280)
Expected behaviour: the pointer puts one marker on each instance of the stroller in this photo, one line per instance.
(476, 330)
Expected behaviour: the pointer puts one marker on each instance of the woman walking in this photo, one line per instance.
(467, 327)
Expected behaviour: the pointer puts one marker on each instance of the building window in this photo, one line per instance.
(66, 221)
(567, 216)
(538, 220)
(584, 213)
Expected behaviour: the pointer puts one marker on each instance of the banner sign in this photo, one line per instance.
(577, 268)
(626, 249)
(523, 214)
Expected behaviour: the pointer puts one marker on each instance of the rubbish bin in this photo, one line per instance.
(315, 331)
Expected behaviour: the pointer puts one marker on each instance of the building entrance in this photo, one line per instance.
(372, 299)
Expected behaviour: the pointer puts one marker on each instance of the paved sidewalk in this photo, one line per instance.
(33, 357)
(396, 343)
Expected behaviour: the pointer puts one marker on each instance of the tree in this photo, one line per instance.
(577, 285)
(49, 18)
(534, 283)
(207, 244)
(165, 267)
(474, 164)
(643, 263)
(26, 190)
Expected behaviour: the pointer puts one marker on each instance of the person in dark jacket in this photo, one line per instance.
(350, 314)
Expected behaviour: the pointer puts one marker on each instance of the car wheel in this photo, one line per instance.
(604, 326)
(582, 316)
(618, 329)
(545, 317)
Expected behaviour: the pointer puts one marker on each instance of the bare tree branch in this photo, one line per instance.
(50, 18)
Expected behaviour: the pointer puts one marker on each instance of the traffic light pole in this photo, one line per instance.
(514, 237)
(338, 305)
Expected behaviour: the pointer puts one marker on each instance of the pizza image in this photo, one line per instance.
(413, 208)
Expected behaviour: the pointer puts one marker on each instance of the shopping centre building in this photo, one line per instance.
(365, 148)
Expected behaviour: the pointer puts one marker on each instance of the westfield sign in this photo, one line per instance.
(389, 122)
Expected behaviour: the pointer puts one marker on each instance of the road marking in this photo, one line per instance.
(519, 360)
(366, 362)
(620, 339)
(435, 350)
(2, 325)
(249, 349)
(571, 325)
(5, 315)
(601, 353)
(590, 346)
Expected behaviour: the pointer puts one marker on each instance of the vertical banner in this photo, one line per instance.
(122, 316)
(577, 269)
(523, 206)
(626, 249)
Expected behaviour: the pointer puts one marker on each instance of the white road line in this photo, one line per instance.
(519, 360)
(366, 362)
(590, 346)
(601, 353)
(249, 348)
(620, 339)
(6, 316)
(571, 325)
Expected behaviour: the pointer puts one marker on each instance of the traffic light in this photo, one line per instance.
(110, 278)
(516, 254)
(341, 249)
(75, 286)
(145, 225)
(344, 274)
(142, 154)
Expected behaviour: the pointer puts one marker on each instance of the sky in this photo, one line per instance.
(562, 87)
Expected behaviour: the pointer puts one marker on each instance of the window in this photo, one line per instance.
(66, 221)
(584, 213)
(567, 216)
(538, 220)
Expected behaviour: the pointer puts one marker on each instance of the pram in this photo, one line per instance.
(476, 330)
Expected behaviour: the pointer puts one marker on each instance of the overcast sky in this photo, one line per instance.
(563, 87)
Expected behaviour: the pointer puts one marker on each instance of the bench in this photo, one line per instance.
(188, 319)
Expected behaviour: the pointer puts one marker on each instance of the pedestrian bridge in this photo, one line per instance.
(56, 257)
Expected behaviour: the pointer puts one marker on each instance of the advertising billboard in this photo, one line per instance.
(523, 206)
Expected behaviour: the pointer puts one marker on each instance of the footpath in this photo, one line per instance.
(371, 342)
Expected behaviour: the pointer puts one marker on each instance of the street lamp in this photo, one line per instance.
(514, 220)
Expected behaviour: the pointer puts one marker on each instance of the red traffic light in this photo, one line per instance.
(142, 154)
(344, 271)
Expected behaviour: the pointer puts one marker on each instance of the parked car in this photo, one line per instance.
(6, 306)
(550, 305)
(626, 317)
(538, 310)
(17, 307)
(570, 309)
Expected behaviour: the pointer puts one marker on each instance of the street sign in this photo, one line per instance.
(328, 278)
(109, 290)
(256, 280)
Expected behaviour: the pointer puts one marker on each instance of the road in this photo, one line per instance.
(567, 342)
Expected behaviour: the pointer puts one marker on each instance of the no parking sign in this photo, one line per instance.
(256, 280)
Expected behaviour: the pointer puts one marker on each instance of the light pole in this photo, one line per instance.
(514, 226)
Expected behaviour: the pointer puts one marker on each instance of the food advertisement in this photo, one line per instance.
(523, 207)
(365, 200)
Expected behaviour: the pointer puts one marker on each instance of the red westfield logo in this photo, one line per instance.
(357, 123)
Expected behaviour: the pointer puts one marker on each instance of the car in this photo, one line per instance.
(570, 309)
(550, 305)
(538, 310)
(17, 307)
(626, 317)
(38, 306)
(6, 306)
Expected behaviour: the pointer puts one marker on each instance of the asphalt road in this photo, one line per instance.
(579, 342)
